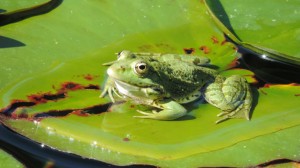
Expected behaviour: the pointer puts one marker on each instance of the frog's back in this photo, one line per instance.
(180, 78)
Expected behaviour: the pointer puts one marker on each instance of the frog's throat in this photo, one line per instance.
(132, 91)
(125, 88)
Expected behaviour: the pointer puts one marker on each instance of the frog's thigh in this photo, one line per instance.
(233, 97)
(234, 89)
(170, 110)
(214, 95)
(229, 94)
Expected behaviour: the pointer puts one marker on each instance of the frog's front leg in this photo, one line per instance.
(109, 88)
(232, 96)
(170, 110)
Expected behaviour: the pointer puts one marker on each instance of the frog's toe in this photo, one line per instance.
(110, 94)
(109, 91)
(221, 120)
(142, 112)
(237, 113)
(222, 114)
(103, 93)
(145, 115)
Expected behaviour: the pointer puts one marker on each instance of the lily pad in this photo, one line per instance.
(116, 137)
(9, 161)
(56, 100)
(271, 28)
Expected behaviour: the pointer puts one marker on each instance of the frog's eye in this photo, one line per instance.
(140, 68)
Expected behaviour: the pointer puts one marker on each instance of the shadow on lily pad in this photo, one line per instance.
(2, 10)
(221, 14)
(6, 42)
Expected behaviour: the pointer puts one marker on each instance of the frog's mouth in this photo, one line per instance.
(133, 91)
(127, 89)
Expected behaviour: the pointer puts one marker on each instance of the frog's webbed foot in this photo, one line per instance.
(170, 110)
(237, 113)
(110, 89)
(146, 114)
(232, 96)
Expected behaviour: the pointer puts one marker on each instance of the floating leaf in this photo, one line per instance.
(56, 100)
(8, 161)
(116, 137)
(270, 28)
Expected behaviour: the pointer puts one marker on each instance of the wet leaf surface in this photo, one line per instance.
(8, 161)
(270, 28)
(50, 88)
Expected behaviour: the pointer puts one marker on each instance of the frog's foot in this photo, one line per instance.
(171, 110)
(232, 96)
(146, 114)
(242, 111)
(108, 90)
(238, 113)
(162, 115)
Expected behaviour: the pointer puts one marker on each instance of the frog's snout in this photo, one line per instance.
(112, 71)
(109, 71)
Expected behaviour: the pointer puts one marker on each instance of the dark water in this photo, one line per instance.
(268, 70)
(32, 154)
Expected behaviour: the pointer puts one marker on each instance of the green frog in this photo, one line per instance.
(167, 81)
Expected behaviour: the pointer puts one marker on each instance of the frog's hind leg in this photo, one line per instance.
(232, 96)
(242, 111)
(171, 110)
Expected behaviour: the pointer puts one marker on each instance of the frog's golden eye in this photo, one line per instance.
(140, 68)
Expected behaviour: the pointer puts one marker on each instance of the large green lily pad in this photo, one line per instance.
(56, 100)
(117, 137)
(268, 27)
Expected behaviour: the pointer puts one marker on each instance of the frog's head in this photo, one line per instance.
(135, 76)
